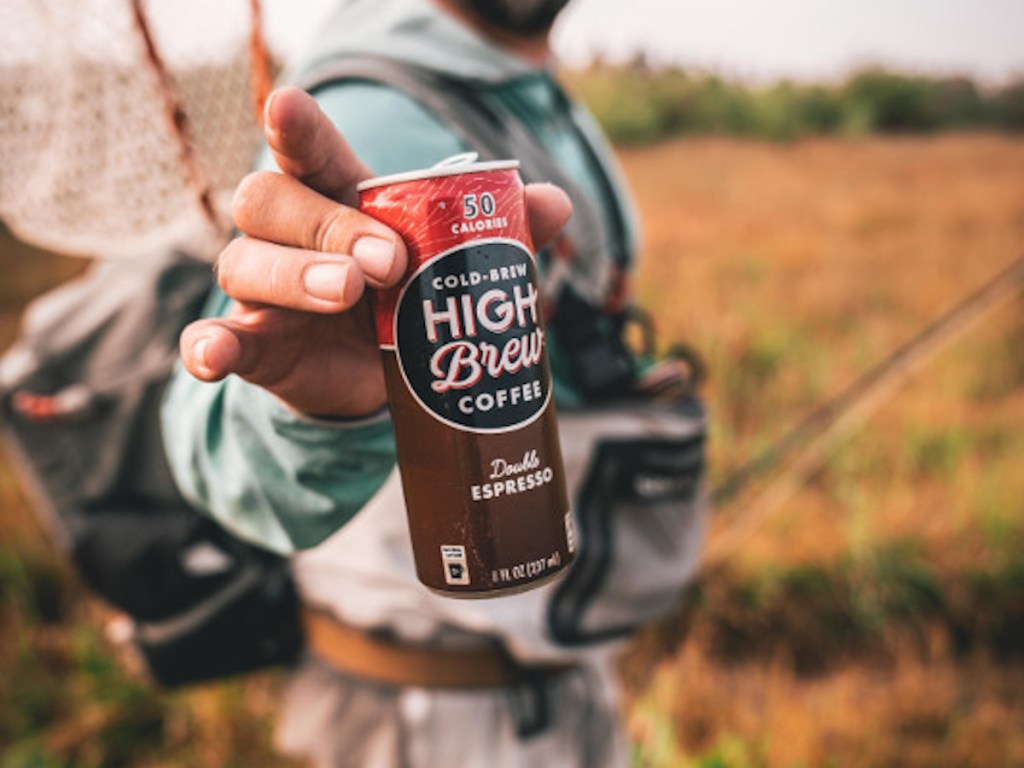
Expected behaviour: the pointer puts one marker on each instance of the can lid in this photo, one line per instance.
(465, 162)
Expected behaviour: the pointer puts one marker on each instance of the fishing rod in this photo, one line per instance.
(806, 444)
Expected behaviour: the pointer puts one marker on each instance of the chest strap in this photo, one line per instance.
(491, 128)
(391, 662)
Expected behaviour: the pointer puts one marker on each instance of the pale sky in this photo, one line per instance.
(804, 39)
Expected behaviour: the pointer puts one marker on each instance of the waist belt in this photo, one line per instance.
(392, 662)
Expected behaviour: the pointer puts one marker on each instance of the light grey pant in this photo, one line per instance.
(335, 721)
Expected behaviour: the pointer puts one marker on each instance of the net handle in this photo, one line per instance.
(261, 78)
(260, 82)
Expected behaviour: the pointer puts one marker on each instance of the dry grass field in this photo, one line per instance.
(875, 619)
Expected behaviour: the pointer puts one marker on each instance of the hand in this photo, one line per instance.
(301, 325)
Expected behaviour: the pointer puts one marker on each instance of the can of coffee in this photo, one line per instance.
(465, 358)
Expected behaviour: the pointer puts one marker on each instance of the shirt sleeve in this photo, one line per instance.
(269, 475)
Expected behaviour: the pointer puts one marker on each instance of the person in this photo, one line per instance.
(277, 423)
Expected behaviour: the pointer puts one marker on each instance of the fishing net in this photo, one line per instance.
(126, 124)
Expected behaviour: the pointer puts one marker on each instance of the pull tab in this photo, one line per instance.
(463, 158)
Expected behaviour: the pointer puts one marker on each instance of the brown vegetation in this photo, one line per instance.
(878, 617)
(875, 620)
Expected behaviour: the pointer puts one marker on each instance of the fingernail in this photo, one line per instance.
(199, 350)
(375, 255)
(325, 281)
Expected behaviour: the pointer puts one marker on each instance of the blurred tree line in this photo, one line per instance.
(638, 104)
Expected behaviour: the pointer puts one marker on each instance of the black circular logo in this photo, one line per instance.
(469, 337)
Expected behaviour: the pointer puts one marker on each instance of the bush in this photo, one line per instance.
(637, 104)
(893, 102)
(1007, 106)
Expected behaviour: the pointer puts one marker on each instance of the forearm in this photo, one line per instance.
(268, 475)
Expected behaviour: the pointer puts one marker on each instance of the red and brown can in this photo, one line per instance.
(465, 359)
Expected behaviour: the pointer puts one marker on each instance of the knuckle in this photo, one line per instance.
(281, 281)
(227, 264)
(333, 231)
(251, 197)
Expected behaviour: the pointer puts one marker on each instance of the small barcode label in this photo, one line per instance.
(456, 567)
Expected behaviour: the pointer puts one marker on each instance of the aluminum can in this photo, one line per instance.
(464, 350)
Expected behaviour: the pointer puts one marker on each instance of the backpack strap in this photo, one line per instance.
(492, 130)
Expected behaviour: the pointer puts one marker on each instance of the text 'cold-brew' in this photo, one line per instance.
(465, 358)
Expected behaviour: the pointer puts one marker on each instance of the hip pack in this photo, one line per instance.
(80, 395)
(640, 503)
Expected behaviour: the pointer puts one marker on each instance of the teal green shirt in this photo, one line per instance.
(270, 475)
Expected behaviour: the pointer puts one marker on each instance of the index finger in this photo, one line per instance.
(307, 146)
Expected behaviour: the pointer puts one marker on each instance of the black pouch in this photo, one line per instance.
(248, 621)
(203, 604)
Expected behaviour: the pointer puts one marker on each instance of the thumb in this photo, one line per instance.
(214, 348)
